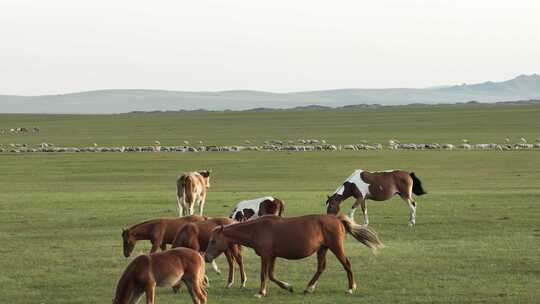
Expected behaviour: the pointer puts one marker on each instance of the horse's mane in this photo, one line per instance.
(140, 224)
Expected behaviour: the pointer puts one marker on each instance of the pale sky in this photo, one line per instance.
(60, 46)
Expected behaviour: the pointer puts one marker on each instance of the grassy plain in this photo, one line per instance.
(477, 237)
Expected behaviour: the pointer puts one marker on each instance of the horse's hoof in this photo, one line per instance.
(289, 287)
(258, 295)
(349, 292)
(309, 289)
(230, 285)
(243, 284)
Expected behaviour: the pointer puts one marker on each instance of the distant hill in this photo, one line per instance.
(523, 87)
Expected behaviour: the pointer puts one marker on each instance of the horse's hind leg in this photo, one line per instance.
(202, 200)
(339, 252)
(179, 205)
(321, 265)
(412, 207)
(271, 268)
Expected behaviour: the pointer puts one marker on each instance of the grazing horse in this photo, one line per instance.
(160, 232)
(293, 238)
(191, 187)
(197, 235)
(377, 186)
(163, 269)
(252, 209)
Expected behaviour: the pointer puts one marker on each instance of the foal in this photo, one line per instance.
(293, 238)
(191, 188)
(196, 236)
(377, 186)
(160, 232)
(164, 269)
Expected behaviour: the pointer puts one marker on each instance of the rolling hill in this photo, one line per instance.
(523, 87)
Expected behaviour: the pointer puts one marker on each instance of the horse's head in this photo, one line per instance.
(129, 242)
(332, 204)
(217, 245)
(206, 175)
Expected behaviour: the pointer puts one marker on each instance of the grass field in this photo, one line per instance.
(477, 237)
(479, 124)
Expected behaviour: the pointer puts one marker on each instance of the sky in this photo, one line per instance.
(62, 46)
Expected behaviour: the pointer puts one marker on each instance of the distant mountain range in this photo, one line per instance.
(523, 87)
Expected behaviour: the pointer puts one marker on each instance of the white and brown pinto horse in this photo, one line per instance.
(164, 269)
(254, 208)
(377, 186)
(191, 188)
(293, 238)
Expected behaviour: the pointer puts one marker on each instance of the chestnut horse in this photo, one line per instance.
(377, 186)
(160, 232)
(293, 238)
(196, 236)
(191, 187)
(163, 269)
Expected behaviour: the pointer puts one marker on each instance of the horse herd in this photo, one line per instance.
(257, 224)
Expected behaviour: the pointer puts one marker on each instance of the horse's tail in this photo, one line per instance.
(188, 194)
(417, 185)
(180, 187)
(361, 233)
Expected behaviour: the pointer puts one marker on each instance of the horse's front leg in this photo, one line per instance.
(273, 278)
(230, 261)
(264, 277)
(150, 292)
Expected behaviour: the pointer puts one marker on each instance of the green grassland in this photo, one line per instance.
(476, 240)
(479, 124)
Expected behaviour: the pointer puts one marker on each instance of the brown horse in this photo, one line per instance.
(197, 235)
(160, 232)
(192, 187)
(377, 186)
(293, 238)
(163, 269)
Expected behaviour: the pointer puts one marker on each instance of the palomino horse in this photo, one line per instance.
(252, 209)
(377, 186)
(293, 238)
(163, 269)
(160, 232)
(191, 188)
(197, 235)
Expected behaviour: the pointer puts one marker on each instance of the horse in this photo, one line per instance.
(293, 238)
(160, 232)
(192, 187)
(377, 186)
(252, 209)
(197, 235)
(163, 269)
